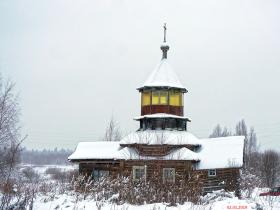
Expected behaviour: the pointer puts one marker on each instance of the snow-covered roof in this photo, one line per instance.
(182, 154)
(222, 152)
(160, 115)
(214, 153)
(163, 76)
(161, 137)
(178, 154)
(96, 150)
(112, 151)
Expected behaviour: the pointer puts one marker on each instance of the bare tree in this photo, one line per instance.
(112, 132)
(219, 132)
(10, 139)
(251, 147)
(248, 182)
(241, 128)
(9, 127)
(270, 167)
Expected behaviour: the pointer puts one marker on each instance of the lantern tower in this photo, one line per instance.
(162, 97)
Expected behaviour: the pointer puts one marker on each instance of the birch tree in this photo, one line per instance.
(10, 138)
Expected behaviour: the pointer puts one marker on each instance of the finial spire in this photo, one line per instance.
(164, 47)
(164, 28)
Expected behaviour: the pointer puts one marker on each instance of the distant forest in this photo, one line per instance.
(45, 157)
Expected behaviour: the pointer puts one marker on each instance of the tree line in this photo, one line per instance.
(45, 156)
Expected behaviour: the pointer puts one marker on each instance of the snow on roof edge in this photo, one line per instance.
(160, 115)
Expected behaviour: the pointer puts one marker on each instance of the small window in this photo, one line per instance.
(146, 98)
(139, 172)
(169, 175)
(181, 99)
(212, 172)
(155, 97)
(175, 98)
(98, 174)
(163, 97)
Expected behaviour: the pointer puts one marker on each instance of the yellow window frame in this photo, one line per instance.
(163, 97)
(146, 98)
(175, 98)
(155, 98)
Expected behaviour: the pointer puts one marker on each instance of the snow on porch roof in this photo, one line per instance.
(222, 152)
(95, 150)
(163, 76)
(178, 154)
(155, 137)
(112, 151)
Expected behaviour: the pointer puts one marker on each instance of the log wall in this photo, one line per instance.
(225, 178)
(155, 167)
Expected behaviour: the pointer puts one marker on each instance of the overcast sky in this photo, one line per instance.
(76, 63)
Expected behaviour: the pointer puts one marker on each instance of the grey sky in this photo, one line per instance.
(78, 62)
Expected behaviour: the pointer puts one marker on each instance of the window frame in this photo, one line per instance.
(165, 179)
(175, 97)
(134, 168)
(148, 95)
(212, 172)
(97, 174)
(166, 96)
(156, 95)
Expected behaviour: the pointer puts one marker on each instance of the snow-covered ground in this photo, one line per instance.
(64, 202)
(219, 203)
